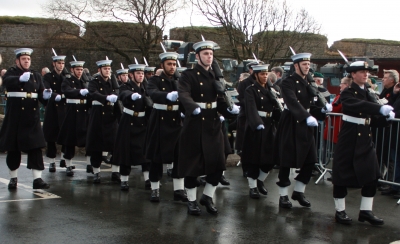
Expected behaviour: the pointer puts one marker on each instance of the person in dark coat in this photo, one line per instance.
(149, 72)
(355, 163)
(164, 128)
(201, 145)
(74, 128)
(295, 142)
(103, 117)
(130, 138)
(260, 131)
(21, 130)
(55, 110)
(319, 80)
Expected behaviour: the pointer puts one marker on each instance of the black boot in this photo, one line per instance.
(70, 172)
(155, 195)
(89, 169)
(342, 218)
(40, 184)
(97, 178)
(124, 186)
(254, 193)
(116, 177)
(13, 183)
(224, 181)
(180, 195)
(208, 203)
(105, 159)
(62, 163)
(299, 196)
(261, 187)
(52, 167)
(193, 208)
(367, 215)
(147, 185)
(284, 202)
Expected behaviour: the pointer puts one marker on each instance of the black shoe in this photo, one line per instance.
(261, 187)
(97, 178)
(254, 193)
(193, 208)
(224, 181)
(155, 195)
(383, 188)
(62, 163)
(40, 184)
(147, 185)
(180, 195)
(284, 202)
(124, 186)
(169, 172)
(13, 183)
(105, 159)
(89, 169)
(276, 166)
(202, 181)
(52, 167)
(389, 192)
(342, 218)
(72, 166)
(245, 174)
(116, 177)
(367, 215)
(70, 172)
(208, 203)
(299, 196)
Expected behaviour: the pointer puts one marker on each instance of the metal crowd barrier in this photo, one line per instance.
(386, 142)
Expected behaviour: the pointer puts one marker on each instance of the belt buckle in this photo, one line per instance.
(268, 114)
(81, 101)
(208, 105)
(169, 107)
(135, 114)
(28, 95)
(367, 121)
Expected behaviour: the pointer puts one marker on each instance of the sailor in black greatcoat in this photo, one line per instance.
(295, 143)
(201, 145)
(21, 130)
(319, 80)
(103, 117)
(74, 128)
(55, 110)
(355, 163)
(164, 128)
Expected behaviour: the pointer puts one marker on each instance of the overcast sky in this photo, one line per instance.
(340, 19)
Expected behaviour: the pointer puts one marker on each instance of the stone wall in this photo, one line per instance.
(372, 49)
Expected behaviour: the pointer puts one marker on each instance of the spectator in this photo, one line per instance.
(45, 70)
(278, 71)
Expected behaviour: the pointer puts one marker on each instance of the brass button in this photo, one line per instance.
(103, 113)
(299, 91)
(56, 105)
(22, 108)
(360, 113)
(262, 106)
(133, 106)
(369, 134)
(162, 79)
(22, 89)
(101, 89)
(162, 118)
(297, 81)
(198, 73)
(359, 134)
(173, 119)
(77, 110)
(262, 98)
(201, 95)
(55, 90)
(131, 123)
(203, 118)
(297, 121)
(163, 89)
(54, 83)
(201, 83)
(258, 90)
(23, 98)
(34, 109)
(355, 92)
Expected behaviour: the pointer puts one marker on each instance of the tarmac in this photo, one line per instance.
(74, 210)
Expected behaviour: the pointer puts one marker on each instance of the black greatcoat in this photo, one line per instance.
(355, 162)
(295, 142)
(164, 126)
(21, 129)
(74, 128)
(201, 146)
(258, 144)
(55, 111)
(130, 139)
(103, 124)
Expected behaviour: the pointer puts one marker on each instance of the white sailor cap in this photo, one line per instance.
(58, 58)
(358, 65)
(136, 67)
(23, 51)
(77, 63)
(122, 71)
(301, 57)
(103, 63)
(168, 56)
(199, 46)
(181, 69)
(260, 68)
(149, 69)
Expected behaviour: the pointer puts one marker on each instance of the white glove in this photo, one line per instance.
(172, 96)
(196, 111)
(235, 109)
(25, 77)
(385, 110)
(391, 116)
(260, 127)
(328, 108)
(47, 93)
(136, 96)
(57, 98)
(112, 98)
(311, 121)
(221, 118)
(84, 92)
(182, 115)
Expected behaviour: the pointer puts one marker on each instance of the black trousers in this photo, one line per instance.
(69, 152)
(126, 170)
(303, 176)
(368, 190)
(253, 170)
(35, 159)
(213, 179)
(156, 171)
(96, 158)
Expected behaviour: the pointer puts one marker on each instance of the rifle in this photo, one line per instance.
(273, 95)
(220, 84)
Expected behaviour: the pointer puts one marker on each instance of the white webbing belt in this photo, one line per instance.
(165, 107)
(285, 107)
(355, 120)
(133, 113)
(265, 114)
(22, 94)
(207, 105)
(76, 101)
(99, 103)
